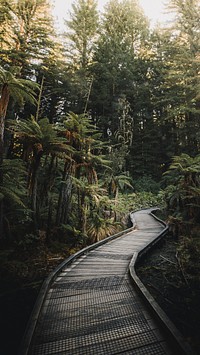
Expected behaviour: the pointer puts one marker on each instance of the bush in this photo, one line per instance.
(143, 199)
(30, 245)
(14, 270)
(189, 256)
(147, 184)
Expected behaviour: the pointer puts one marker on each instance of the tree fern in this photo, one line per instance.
(183, 197)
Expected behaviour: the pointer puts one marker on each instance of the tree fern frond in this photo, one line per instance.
(11, 196)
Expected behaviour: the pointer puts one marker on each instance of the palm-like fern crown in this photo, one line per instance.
(21, 90)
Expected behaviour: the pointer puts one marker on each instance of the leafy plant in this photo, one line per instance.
(100, 228)
(146, 183)
(183, 191)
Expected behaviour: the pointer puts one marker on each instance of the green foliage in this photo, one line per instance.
(139, 87)
(182, 77)
(14, 194)
(30, 243)
(14, 271)
(66, 176)
(146, 183)
(145, 200)
(182, 194)
(27, 28)
(57, 247)
(136, 201)
(20, 90)
(188, 253)
(183, 197)
(80, 35)
(101, 228)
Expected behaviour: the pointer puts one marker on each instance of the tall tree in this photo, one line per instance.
(183, 75)
(27, 31)
(20, 90)
(124, 29)
(40, 144)
(80, 38)
(120, 89)
(53, 77)
(85, 161)
(82, 31)
(183, 193)
(5, 29)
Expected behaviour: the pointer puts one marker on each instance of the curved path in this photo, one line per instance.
(93, 307)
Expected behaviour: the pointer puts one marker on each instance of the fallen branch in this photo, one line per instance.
(59, 258)
(181, 270)
(163, 257)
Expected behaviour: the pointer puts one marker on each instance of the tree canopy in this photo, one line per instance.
(105, 106)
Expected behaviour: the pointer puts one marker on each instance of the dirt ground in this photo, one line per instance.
(163, 276)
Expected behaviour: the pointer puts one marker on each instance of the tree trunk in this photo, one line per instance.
(64, 201)
(39, 99)
(49, 220)
(116, 202)
(34, 203)
(33, 181)
(5, 95)
(4, 100)
(82, 212)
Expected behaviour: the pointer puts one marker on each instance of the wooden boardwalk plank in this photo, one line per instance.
(93, 308)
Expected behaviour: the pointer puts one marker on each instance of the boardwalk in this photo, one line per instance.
(92, 307)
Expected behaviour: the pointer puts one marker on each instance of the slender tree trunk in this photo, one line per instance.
(88, 96)
(33, 182)
(67, 200)
(64, 201)
(5, 95)
(39, 99)
(4, 100)
(84, 218)
(49, 220)
(34, 203)
(116, 202)
(82, 212)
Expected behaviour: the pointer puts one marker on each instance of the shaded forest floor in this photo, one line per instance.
(21, 276)
(21, 279)
(164, 278)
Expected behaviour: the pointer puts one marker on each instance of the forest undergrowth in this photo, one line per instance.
(175, 286)
(171, 273)
(21, 277)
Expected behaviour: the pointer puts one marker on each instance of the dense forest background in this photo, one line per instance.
(94, 123)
